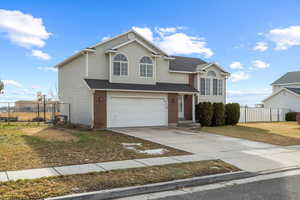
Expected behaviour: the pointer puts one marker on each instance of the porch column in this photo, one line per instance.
(193, 108)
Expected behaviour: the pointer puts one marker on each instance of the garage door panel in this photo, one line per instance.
(126, 112)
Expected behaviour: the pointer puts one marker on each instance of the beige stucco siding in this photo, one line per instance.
(284, 99)
(74, 91)
(211, 97)
(99, 64)
(163, 74)
(134, 52)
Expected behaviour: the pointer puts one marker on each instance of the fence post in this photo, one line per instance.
(44, 109)
(270, 114)
(8, 113)
(38, 112)
(245, 113)
(69, 113)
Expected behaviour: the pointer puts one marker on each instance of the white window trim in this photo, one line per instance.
(211, 86)
(153, 68)
(112, 65)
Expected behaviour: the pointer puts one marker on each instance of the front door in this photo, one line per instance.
(181, 106)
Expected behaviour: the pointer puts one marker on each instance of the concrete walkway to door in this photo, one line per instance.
(247, 155)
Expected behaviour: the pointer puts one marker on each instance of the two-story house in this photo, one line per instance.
(286, 92)
(127, 81)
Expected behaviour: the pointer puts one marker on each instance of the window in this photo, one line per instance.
(211, 73)
(205, 86)
(120, 65)
(215, 86)
(202, 86)
(220, 87)
(146, 67)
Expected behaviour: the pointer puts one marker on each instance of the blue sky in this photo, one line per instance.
(257, 41)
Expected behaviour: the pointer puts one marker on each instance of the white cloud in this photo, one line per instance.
(12, 83)
(248, 96)
(23, 29)
(285, 38)
(174, 42)
(260, 46)
(40, 55)
(36, 87)
(105, 38)
(236, 65)
(260, 64)
(238, 76)
(146, 32)
(47, 69)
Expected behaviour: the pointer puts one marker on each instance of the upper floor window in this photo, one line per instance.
(217, 87)
(146, 67)
(205, 86)
(211, 73)
(120, 65)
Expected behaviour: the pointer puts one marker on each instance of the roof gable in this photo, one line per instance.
(138, 42)
(294, 91)
(133, 35)
(289, 77)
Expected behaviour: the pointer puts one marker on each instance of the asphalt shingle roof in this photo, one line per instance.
(295, 90)
(188, 64)
(172, 87)
(290, 77)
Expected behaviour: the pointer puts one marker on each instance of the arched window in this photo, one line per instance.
(120, 65)
(211, 73)
(146, 67)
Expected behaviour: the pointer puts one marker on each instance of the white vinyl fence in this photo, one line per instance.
(249, 114)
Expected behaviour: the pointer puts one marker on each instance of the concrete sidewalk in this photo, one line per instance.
(97, 167)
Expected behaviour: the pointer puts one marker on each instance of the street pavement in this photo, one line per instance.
(271, 186)
(287, 188)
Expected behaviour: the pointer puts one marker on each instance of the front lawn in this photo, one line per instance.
(62, 185)
(278, 133)
(30, 145)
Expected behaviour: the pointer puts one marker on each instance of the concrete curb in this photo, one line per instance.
(156, 187)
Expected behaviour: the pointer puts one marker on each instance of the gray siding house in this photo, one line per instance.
(286, 92)
(127, 81)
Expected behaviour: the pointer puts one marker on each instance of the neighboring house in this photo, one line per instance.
(127, 81)
(33, 106)
(286, 92)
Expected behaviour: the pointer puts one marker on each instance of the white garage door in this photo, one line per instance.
(131, 112)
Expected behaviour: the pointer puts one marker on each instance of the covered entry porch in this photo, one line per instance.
(186, 107)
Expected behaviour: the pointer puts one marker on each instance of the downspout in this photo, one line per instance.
(92, 108)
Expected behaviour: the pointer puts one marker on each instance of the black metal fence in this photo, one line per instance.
(30, 111)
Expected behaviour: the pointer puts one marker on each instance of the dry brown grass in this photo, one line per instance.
(57, 186)
(25, 146)
(278, 133)
(50, 134)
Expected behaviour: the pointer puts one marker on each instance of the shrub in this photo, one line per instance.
(232, 113)
(218, 118)
(38, 119)
(205, 113)
(290, 116)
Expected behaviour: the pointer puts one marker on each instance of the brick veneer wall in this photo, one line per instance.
(173, 108)
(100, 112)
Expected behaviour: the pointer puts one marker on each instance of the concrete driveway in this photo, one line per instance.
(245, 154)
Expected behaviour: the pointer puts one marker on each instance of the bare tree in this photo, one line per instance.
(1, 87)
